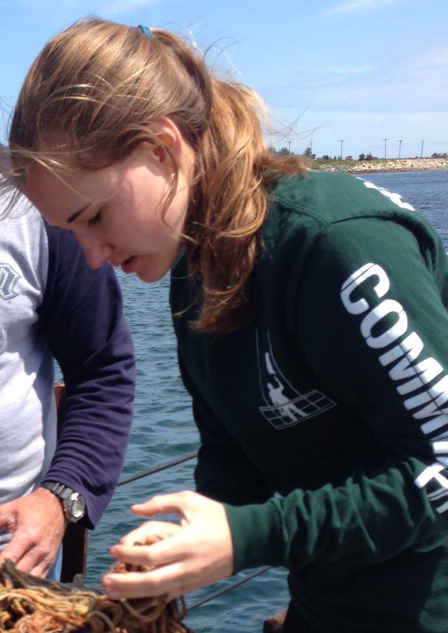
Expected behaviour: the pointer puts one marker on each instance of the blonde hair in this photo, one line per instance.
(102, 86)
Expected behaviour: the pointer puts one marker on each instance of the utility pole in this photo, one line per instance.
(385, 147)
(289, 146)
(341, 142)
(421, 153)
(399, 147)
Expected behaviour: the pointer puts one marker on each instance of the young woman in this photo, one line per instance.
(310, 313)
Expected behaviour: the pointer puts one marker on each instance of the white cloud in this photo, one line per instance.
(356, 5)
(409, 78)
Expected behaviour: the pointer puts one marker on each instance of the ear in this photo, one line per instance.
(171, 141)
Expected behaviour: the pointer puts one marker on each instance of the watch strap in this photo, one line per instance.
(61, 491)
(69, 499)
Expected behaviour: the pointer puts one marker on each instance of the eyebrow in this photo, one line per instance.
(76, 215)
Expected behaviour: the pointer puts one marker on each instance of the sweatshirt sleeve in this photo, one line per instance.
(88, 336)
(373, 325)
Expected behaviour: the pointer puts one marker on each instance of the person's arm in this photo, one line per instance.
(81, 317)
(378, 339)
(88, 336)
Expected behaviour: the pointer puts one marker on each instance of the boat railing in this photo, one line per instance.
(158, 469)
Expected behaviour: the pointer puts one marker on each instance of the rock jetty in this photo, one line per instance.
(370, 166)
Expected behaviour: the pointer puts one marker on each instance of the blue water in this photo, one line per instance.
(163, 428)
(427, 191)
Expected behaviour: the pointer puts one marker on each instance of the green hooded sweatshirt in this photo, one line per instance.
(323, 423)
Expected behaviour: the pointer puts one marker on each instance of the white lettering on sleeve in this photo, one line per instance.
(355, 280)
(411, 346)
(386, 307)
(429, 402)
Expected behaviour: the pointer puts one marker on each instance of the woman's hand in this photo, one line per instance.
(195, 553)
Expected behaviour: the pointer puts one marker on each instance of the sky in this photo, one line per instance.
(342, 77)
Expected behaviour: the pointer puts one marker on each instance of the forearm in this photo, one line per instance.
(365, 520)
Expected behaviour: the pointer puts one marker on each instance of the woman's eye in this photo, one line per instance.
(96, 218)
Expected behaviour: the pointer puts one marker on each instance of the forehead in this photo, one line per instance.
(58, 195)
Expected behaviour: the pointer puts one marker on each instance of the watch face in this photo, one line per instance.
(78, 507)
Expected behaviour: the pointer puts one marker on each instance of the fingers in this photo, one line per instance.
(143, 584)
(158, 553)
(27, 557)
(176, 558)
(36, 523)
(173, 579)
(39, 568)
(150, 532)
(177, 503)
(18, 551)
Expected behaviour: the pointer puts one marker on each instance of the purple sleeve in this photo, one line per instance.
(88, 336)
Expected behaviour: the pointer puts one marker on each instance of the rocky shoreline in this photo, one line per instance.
(405, 164)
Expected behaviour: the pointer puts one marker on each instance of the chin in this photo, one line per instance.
(152, 269)
(150, 277)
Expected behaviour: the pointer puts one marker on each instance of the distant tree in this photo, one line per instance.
(325, 157)
(308, 153)
(436, 155)
(362, 157)
(349, 158)
(283, 152)
(369, 156)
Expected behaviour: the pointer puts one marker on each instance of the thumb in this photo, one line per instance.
(176, 503)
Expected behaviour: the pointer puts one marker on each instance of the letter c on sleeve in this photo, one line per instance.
(355, 280)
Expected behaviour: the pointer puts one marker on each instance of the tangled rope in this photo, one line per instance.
(31, 605)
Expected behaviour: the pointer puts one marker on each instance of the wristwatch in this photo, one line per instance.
(73, 504)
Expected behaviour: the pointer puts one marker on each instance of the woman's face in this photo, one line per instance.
(116, 212)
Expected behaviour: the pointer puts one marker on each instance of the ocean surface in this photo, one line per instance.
(163, 430)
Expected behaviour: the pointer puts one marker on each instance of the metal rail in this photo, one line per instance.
(220, 592)
(158, 469)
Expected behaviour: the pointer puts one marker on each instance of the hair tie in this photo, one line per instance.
(145, 31)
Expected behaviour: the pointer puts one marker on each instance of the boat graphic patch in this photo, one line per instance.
(8, 279)
(285, 406)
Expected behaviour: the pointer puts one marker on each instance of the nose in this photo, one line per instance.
(96, 251)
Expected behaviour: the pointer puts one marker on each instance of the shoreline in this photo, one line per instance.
(372, 166)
